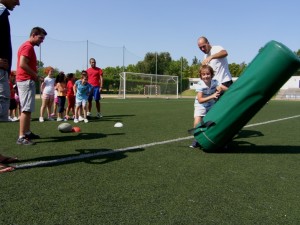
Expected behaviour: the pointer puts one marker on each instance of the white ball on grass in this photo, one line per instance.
(118, 124)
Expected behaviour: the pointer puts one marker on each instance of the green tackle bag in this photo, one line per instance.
(262, 78)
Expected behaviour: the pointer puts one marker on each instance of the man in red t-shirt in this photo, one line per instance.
(95, 78)
(26, 77)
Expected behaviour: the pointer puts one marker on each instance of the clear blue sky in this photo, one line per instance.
(241, 27)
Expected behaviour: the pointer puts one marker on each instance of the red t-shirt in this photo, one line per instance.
(94, 76)
(70, 91)
(27, 50)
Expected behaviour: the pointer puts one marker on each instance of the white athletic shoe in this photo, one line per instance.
(59, 119)
(99, 115)
(89, 114)
(76, 120)
(86, 120)
(41, 119)
(80, 118)
(14, 119)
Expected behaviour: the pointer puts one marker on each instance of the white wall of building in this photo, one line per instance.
(293, 82)
(194, 81)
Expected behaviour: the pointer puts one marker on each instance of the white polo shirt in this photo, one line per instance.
(220, 66)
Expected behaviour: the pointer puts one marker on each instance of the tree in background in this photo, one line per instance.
(160, 63)
(154, 63)
(298, 54)
(237, 69)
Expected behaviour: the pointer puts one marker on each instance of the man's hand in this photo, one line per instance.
(207, 60)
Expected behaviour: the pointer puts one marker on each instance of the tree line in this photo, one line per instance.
(158, 63)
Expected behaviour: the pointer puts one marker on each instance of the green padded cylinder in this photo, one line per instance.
(263, 77)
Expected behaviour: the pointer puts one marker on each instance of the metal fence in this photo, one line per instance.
(69, 56)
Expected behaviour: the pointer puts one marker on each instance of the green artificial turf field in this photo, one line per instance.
(144, 172)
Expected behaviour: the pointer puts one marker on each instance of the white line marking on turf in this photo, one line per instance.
(272, 121)
(93, 155)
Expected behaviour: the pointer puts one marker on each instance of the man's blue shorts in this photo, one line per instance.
(95, 93)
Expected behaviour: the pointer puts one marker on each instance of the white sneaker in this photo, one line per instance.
(59, 119)
(41, 119)
(99, 115)
(80, 118)
(14, 119)
(76, 120)
(86, 120)
(88, 113)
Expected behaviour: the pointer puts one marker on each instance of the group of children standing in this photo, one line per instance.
(56, 91)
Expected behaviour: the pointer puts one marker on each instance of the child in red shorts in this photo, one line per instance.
(70, 95)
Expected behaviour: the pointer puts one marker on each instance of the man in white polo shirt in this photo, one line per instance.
(216, 57)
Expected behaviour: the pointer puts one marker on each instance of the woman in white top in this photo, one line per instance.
(47, 88)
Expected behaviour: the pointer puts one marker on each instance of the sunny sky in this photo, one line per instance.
(101, 28)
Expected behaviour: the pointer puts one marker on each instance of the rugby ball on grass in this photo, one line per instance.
(65, 127)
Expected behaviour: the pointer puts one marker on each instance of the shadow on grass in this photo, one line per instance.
(236, 146)
(248, 134)
(248, 148)
(115, 118)
(76, 137)
(118, 116)
(110, 155)
(90, 156)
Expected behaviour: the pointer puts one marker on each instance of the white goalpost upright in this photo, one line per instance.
(141, 85)
(122, 87)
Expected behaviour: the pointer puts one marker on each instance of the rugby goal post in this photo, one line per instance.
(140, 85)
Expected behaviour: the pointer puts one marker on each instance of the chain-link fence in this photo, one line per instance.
(69, 56)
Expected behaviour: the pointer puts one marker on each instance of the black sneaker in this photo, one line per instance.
(195, 144)
(25, 141)
(32, 136)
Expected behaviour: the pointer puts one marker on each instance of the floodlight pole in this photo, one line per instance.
(181, 77)
(124, 85)
(156, 63)
(156, 67)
